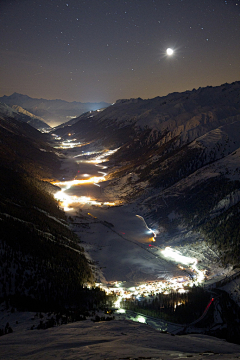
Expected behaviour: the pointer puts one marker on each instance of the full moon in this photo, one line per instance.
(169, 51)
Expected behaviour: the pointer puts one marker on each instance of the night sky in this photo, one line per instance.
(98, 50)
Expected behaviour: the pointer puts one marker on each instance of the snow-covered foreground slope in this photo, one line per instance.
(112, 340)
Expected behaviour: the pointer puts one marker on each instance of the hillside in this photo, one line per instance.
(22, 115)
(178, 162)
(184, 116)
(43, 265)
(25, 148)
(35, 121)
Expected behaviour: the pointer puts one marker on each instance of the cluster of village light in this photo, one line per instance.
(178, 284)
(67, 201)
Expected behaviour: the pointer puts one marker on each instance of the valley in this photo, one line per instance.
(128, 209)
(130, 259)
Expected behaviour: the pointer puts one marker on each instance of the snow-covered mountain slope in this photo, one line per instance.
(22, 115)
(189, 114)
(179, 154)
(34, 120)
(7, 110)
(214, 186)
(113, 340)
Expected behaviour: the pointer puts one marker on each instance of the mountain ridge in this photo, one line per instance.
(52, 111)
(183, 141)
(20, 114)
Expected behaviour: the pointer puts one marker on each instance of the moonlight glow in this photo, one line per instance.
(169, 51)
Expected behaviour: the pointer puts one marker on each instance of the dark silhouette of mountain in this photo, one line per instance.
(42, 264)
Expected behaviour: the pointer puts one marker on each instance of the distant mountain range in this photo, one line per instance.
(178, 162)
(53, 112)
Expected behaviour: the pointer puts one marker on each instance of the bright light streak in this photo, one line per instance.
(99, 158)
(200, 274)
(181, 291)
(68, 144)
(176, 305)
(75, 182)
(176, 256)
(121, 311)
(117, 303)
(101, 172)
(141, 319)
(150, 230)
(84, 154)
(67, 201)
(103, 167)
(103, 156)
